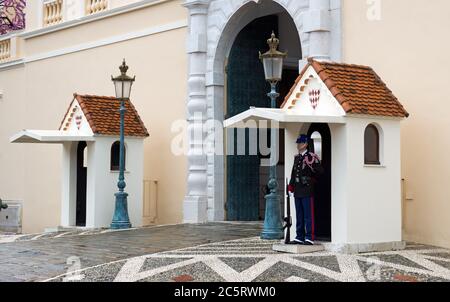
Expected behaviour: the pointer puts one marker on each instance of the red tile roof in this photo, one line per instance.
(357, 88)
(103, 116)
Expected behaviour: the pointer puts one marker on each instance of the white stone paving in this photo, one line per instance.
(9, 238)
(50, 235)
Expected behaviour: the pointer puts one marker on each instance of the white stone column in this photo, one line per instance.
(196, 201)
(317, 23)
(336, 30)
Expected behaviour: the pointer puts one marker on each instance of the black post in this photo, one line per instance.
(288, 218)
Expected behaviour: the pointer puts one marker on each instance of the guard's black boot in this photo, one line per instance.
(298, 242)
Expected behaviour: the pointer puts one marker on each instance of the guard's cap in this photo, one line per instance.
(302, 139)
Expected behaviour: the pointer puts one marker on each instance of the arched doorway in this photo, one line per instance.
(320, 135)
(245, 86)
(81, 184)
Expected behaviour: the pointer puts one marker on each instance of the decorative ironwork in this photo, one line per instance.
(12, 15)
(314, 97)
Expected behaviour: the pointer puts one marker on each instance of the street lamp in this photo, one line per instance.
(273, 69)
(122, 85)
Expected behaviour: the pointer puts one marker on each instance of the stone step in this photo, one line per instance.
(297, 249)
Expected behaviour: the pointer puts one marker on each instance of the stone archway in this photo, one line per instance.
(224, 24)
(214, 24)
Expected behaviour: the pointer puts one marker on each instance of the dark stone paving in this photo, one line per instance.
(198, 272)
(442, 263)
(106, 275)
(440, 255)
(156, 263)
(241, 264)
(329, 262)
(45, 258)
(281, 271)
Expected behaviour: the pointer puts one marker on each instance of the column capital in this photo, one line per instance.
(319, 4)
(197, 6)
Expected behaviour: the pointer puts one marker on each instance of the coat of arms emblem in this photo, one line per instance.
(78, 121)
(314, 96)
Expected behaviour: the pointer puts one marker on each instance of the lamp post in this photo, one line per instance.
(273, 69)
(122, 85)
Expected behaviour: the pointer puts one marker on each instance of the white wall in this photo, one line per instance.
(412, 30)
(373, 192)
(339, 183)
(366, 200)
(94, 49)
(102, 183)
(69, 181)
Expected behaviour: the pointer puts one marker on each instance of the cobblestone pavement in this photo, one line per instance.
(41, 256)
(252, 260)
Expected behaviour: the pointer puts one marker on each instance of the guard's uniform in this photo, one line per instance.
(306, 168)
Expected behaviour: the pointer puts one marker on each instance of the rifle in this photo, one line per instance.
(288, 218)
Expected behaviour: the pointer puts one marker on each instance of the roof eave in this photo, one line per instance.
(367, 116)
(300, 76)
(118, 135)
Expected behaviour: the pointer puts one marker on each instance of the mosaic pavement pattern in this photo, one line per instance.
(252, 260)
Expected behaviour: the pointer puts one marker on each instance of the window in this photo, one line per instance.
(85, 157)
(317, 139)
(372, 146)
(115, 157)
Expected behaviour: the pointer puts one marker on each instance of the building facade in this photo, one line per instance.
(190, 58)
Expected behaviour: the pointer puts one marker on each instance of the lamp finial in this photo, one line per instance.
(124, 67)
(273, 41)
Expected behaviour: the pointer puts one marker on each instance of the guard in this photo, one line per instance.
(307, 168)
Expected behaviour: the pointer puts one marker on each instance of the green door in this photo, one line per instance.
(246, 87)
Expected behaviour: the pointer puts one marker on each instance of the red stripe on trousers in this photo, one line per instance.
(313, 235)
